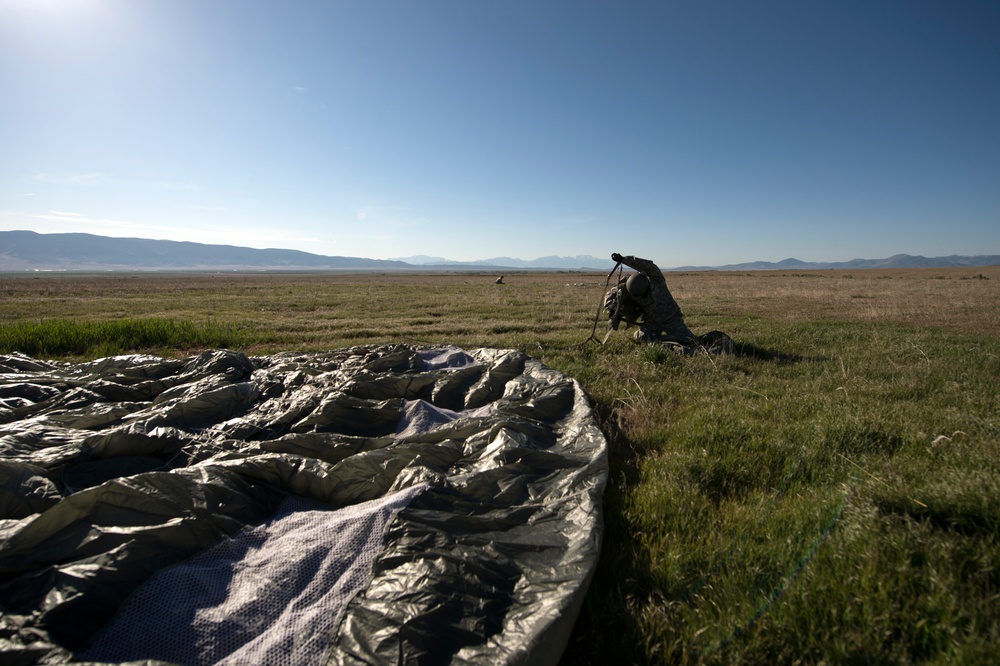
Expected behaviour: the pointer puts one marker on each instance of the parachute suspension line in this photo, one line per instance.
(790, 577)
(600, 304)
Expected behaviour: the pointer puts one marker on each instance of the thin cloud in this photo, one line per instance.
(72, 179)
(68, 222)
(95, 178)
(80, 219)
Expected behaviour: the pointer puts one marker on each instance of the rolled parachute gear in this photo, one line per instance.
(620, 307)
(637, 285)
(611, 306)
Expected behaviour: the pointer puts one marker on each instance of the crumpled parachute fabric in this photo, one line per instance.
(378, 504)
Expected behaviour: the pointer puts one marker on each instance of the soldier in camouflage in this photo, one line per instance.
(645, 294)
(643, 299)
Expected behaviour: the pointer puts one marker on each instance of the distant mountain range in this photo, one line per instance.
(31, 251)
(27, 250)
(895, 261)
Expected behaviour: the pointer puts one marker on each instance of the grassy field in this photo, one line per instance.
(829, 494)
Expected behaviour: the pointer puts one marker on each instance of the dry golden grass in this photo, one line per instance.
(327, 306)
(952, 298)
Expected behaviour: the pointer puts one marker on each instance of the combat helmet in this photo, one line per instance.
(637, 285)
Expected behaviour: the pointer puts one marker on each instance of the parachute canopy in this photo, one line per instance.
(366, 505)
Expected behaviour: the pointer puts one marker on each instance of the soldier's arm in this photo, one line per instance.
(643, 265)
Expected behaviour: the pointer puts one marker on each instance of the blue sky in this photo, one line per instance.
(687, 132)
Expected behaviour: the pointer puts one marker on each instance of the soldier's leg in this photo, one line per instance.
(645, 335)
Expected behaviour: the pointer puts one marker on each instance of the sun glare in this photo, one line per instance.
(54, 8)
(60, 18)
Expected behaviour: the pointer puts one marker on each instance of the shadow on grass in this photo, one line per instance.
(750, 350)
(606, 630)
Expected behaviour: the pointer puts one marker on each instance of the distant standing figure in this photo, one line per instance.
(499, 280)
(644, 300)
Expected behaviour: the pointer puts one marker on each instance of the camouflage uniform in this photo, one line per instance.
(660, 317)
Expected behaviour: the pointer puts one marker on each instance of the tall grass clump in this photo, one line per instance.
(62, 338)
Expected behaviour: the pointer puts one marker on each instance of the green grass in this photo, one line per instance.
(830, 494)
(62, 338)
(843, 507)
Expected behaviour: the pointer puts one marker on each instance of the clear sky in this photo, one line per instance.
(687, 132)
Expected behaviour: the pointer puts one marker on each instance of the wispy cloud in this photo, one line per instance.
(69, 179)
(55, 221)
(264, 235)
(300, 89)
(96, 178)
(78, 219)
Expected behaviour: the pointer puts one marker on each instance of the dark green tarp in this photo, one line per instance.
(368, 505)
